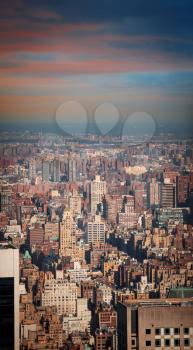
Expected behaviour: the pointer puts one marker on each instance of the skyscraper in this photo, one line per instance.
(35, 235)
(6, 199)
(96, 230)
(60, 293)
(74, 202)
(153, 194)
(71, 169)
(98, 190)
(168, 194)
(45, 170)
(182, 189)
(9, 297)
(56, 170)
(67, 234)
(32, 168)
(128, 217)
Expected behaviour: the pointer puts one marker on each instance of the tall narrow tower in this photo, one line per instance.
(67, 233)
(45, 170)
(71, 169)
(98, 190)
(56, 170)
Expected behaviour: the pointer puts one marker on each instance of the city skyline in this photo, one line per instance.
(96, 175)
(103, 235)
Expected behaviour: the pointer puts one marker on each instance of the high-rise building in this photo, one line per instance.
(32, 169)
(168, 194)
(51, 231)
(9, 297)
(81, 321)
(155, 324)
(102, 295)
(45, 170)
(60, 293)
(97, 193)
(56, 170)
(175, 215)
(74, 203)
(182, 189)
(35, 235)
(71, 170)
(127, 217)
(6, 199)
(112, 205)
(153, 193)
(96, 230)
(67, 234)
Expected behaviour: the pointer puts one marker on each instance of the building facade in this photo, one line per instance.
(155, 324)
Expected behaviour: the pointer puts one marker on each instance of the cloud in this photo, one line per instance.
(46, 15)
(118, 50)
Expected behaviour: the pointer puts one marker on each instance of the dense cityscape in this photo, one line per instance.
(96, 242)
(96, 175)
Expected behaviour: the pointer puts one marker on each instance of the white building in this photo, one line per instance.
(13, 229)
(80, 322)
(106, 293)
(77, 274)
(96, 230)
(26, 328)
(62, 294)
(74, 203)
(98, 190)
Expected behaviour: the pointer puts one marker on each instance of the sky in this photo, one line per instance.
(77, 60)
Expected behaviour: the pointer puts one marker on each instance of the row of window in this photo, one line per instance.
(167, 342)
(167, 331)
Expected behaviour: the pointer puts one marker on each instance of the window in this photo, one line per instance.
(148, 331)
(176, 342)
(148, 343)
(186, 330)
(167, 342)
(158, 342)
(133, 342)
(176, 330)
(157, 331)
(167, 331)
(186, 342)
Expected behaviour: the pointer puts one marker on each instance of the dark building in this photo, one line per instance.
(71, 170)
(45, 170)
(182, 190)
(56, 170)
(105, 340)
(9, 297)
(168, 195)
